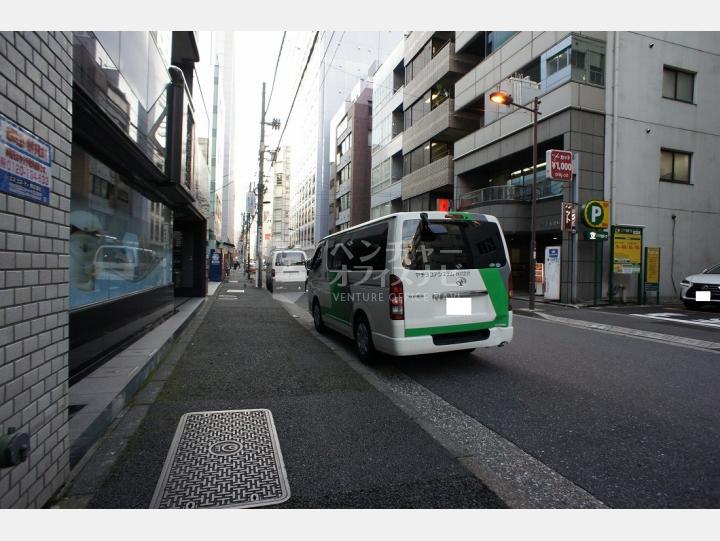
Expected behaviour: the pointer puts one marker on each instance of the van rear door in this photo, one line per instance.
(290, 267)
(455, 275)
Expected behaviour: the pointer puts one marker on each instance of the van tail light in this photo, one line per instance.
(397, 304)
(510, 291)
(272, 273)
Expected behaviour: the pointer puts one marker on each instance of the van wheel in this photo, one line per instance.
(317, 317)
(364, 342)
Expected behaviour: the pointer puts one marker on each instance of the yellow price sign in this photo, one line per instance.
(652, 265)
(628, 247)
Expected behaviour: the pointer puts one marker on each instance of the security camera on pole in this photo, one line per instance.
(275, 124)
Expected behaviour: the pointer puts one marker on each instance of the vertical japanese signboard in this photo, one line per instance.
(25, 163)
(569, 217)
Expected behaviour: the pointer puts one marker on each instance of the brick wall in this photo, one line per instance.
(36, 93)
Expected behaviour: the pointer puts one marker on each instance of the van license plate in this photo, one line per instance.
(458, 307)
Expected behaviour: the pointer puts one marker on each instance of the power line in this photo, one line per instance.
(337, 48)
(277, 63)
(297, 91)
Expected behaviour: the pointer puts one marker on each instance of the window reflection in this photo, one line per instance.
(119, 240)
(125, 73)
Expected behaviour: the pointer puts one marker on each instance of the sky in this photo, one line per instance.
(254, 69)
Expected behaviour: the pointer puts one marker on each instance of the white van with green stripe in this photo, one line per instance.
(414, 282)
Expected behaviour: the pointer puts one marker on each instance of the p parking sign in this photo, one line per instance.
(596, 214)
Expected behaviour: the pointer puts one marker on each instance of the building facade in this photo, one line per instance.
(280, 177)
(387, 128)
(103, 220)
(431, 121)
(648, 153)
(351, 128)
(339, 61)
(227, 188)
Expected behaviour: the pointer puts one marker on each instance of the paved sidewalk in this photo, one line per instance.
(344, 444)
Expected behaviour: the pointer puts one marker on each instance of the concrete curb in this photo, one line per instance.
(105, 393)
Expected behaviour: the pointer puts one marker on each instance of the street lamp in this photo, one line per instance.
(503, 98)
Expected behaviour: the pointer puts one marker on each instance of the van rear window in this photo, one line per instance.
(445, 244)
(289, 259)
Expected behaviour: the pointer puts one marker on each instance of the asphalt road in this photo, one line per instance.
(633, 422)
(702, 324)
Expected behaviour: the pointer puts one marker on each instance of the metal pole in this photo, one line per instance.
(533, 256)
(261, 196)
(574, 232)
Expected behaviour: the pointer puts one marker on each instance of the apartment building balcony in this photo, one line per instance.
(342, 189)
(445, 65)
(509, 193)
(387, 193)
(441, 123)
(343, 217)
(434, 175)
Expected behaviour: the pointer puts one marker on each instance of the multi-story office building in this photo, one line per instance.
(100, 221)
(431, 123)
(217, 147)
(228, 182)
(339, 60)
(280, 175)
(387, 127)
(641, 114)
(351, 131)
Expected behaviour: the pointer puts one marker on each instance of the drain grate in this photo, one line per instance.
(223, 459)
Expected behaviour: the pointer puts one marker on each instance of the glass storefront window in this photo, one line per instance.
(120, 241)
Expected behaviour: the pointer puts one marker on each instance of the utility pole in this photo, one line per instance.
(533, 256)
(275, 124)
(261, 196)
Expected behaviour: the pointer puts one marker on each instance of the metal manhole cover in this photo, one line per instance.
(223, 459)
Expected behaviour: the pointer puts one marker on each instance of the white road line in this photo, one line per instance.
(519, 479)
(236, 291)
(709, 323)
(681, 341)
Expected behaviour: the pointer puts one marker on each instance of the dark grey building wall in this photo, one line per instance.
(582, 132)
